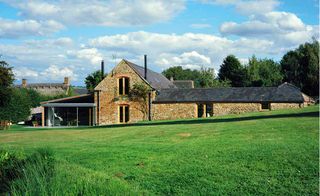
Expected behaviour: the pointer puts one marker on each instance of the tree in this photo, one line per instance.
(263, 72)
(301, 67)
(178, 73)
(232, 70)
(139, 92)
(18, 107)
(203, 78)
(6, 81)
(35, 98)
(93, 79)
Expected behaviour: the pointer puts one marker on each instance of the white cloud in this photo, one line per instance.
(247, 7)
(283, 28)
(185, 49)
(98, 12)
(55, 73)
(20, 28)
(200, 26)
(52, 73)
(191, 60)
(24, 72)
(91, 54)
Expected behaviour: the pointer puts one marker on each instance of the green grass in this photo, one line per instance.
(257, 153)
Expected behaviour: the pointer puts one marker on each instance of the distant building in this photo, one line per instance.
(49, 89)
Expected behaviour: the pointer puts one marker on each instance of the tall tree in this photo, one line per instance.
(263, 72)
(301, 67)
(178, 73)
(6, 80)
(203, 78)
(93, 79)
(18, 107)
(232, 70)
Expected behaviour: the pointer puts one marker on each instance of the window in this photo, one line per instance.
(123, 86)
(265, 106)
(123, 113)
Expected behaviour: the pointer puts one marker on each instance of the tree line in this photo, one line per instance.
(299, 67)
(16, 103)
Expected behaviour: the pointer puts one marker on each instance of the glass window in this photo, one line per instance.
(123, 86)
(124, 113)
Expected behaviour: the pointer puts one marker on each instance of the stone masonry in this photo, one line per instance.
(110, 100)
(235, 108)
(174, 111)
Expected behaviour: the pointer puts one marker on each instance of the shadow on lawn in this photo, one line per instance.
(213, 120)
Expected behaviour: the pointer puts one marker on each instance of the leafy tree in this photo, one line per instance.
(203, 78)
(6, 80)
(301, 67)
(139, 92)
(178, 73)
(35, 97)
(232, 70)
(263, 72)
(93, 79)
(18, 107)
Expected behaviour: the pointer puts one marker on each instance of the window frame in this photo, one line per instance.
(123, 85)
(124, 113)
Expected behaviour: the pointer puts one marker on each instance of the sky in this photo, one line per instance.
(45, 40)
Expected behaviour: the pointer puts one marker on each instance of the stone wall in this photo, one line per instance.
(277, 106)
(235, 108)
(110, 100)
(171, 111)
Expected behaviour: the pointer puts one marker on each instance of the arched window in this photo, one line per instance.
(123, 84)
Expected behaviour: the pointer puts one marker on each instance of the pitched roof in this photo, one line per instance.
(156, 80)
(183, 83)
(80, 91)
(285, 93)
(85, 98)
(43, 85)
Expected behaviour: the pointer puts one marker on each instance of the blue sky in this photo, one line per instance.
(47, 40)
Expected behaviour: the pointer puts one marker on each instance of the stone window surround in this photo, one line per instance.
(121, 76)
(123, 105)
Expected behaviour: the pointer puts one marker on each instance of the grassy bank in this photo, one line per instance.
(258, 153)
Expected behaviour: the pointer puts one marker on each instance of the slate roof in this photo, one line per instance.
(183, 83)
(285, 93)
(85, 98)
(43, 85)
(80, 91)
(156, 80)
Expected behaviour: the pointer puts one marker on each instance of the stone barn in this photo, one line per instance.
(111, 103)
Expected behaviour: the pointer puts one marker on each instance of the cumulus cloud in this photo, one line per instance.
(25, 72)
(187, 50)
(191, 60)
(91, 54)
(55, 73)
(282, 27)
(98, 12)
(52, 73)
(247, 7)
(21, 28)
(200, 25)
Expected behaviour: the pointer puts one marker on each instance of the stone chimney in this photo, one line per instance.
(66, 81)
(24, 83)
(171, 79)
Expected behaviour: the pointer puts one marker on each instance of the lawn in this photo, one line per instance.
(274, 152)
